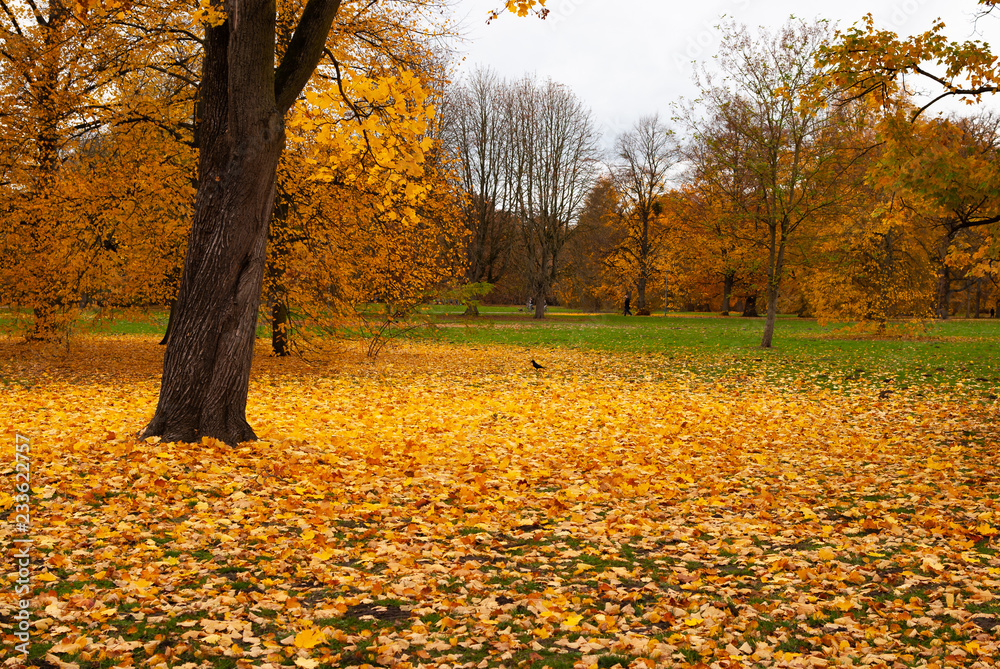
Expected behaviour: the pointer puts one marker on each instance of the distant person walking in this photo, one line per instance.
(627, 311)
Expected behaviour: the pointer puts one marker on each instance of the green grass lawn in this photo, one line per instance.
(147, 322)
(957, 353)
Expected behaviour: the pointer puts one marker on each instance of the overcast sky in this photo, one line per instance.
(630, 58)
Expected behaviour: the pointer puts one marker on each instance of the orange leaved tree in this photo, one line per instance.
(249, 83)
(797, 154)
(645, 156)
(946, 172)
(89, 179)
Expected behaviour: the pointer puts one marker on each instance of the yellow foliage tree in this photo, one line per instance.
(365, 226)
(946, 173)
(89, 193)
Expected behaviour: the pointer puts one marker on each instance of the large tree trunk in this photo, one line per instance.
(540, 303)
(775, 267)
(240, 135)
(206, 368)
(750, 307)
(772, 314)
(541, 283)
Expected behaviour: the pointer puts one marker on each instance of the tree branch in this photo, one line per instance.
(957, 91)
(304, 51)
(13, 18)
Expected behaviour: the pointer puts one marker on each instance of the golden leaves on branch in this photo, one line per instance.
(868, 60)
(210, 12)
(366, 127)
(522, 8)
(371, 229)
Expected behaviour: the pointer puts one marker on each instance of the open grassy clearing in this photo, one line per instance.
(957, 354)
(450, 506)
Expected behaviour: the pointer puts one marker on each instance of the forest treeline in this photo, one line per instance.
(805, 179)
(776, 190)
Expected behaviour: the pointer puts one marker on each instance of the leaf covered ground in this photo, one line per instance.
(452, 507)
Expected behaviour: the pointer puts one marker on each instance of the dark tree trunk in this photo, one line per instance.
(776, 266)
(279, 329)
(727, 290)
(944, 293)
(540, 305)
(46, 325)
(240, 136)
(750, 307)
(541, 283)
(170, 321)
(206, 369)
(641, 308)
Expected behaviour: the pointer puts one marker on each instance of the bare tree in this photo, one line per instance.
(554, 166)
(477, 133)
(645, 154)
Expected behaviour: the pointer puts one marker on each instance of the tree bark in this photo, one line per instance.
(539, 304)
(772, 314)
(240, 135)
(776, 266)
(170, 320)
(727, 290)
(944, 293)
(641, 308)
(750, 307)
(279, 329)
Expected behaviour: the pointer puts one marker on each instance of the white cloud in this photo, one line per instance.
(629, 58)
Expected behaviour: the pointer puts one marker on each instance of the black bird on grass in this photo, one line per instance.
(536, 365)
